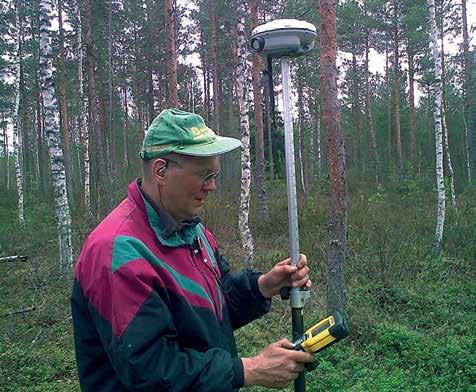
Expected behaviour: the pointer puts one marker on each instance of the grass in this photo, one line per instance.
(411, 314)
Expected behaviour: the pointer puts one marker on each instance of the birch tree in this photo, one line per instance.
(58, 175)
(16, 120)
(64, 106)
(83, 131)
(241, 80)
(440, 220)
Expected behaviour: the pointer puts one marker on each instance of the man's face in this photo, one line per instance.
(187, 182)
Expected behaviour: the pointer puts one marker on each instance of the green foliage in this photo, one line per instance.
(412, 316)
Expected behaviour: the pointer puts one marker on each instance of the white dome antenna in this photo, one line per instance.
(283, 37)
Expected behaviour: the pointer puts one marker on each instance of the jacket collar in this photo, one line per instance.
(168, 231)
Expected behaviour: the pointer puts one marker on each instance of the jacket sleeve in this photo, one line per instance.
(244, 300)
(147, 354)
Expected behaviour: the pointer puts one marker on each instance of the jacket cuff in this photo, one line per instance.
(238, 373)
(254, 276)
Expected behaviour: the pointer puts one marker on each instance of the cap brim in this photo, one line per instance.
(220, 145)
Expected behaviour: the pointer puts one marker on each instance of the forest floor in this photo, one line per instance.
(412, 315)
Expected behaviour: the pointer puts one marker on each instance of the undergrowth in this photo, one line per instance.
(411, 313)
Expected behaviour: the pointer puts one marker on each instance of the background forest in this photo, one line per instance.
(73, 116)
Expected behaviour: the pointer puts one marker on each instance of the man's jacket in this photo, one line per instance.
(155, 312)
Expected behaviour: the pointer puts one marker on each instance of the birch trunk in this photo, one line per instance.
(125, 128)
(16, 121)
(445, 128)
(440, 221)
(58, 175)
(242, 93)
(317, 140)
(64, 107)
(336, 295)
(83, 131)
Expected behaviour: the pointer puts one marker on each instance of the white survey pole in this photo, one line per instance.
(290, 163)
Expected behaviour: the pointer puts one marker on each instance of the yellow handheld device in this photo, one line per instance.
(323, 334)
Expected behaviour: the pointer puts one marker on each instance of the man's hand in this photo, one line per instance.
(284, 274)
(276, 366)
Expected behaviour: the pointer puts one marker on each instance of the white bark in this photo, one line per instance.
(83, 131)
(52, 131)
(448, 161)
(467, 147)
(440, 221)
(241, 87)
(317, 138)
(16, 122)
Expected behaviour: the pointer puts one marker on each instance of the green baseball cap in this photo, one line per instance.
(185, 133)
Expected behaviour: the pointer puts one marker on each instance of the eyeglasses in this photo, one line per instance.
(205, 179)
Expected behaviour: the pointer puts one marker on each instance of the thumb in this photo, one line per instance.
(285, 343)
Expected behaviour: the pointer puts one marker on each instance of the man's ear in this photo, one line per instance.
(159, 168)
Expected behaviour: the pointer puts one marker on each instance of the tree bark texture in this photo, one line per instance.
(16, 121)
(242, 93)
(83, 130)
(336, 295)
(446, 141)
(440, 220)
(64, 107)
(258, 118)
(58, 175)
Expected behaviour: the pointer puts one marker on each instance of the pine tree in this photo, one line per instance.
(336, 160)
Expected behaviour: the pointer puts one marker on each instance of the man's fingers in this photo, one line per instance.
(284, 262)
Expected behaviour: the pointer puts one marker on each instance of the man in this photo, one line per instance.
(154, 303)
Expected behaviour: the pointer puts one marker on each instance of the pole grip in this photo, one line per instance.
(298, 330)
